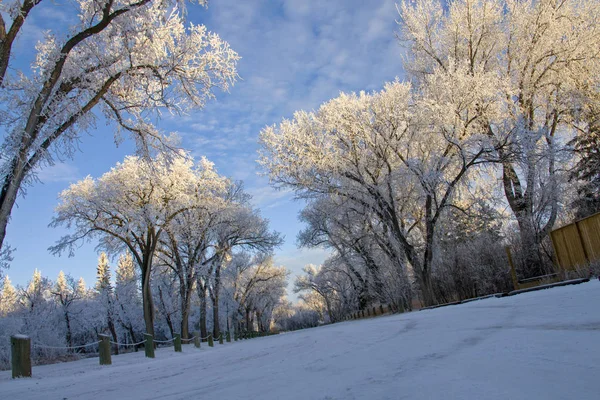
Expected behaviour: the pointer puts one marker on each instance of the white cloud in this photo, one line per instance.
(265, 196)
(59, 172)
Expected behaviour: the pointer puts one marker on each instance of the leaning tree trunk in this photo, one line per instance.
(8, 194)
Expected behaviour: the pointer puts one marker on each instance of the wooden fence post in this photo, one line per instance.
(20, 349)
(228, 337)
(210, 340)
(197, 339)
(104, 350)
(149, 345)
(177, 342)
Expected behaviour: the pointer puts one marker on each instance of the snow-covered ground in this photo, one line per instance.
(540, 345)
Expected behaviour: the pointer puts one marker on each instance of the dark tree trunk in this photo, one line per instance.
(203, 308)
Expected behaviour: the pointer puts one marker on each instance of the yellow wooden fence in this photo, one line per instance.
(578, 244)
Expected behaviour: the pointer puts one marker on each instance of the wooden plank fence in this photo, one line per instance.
(578, 244)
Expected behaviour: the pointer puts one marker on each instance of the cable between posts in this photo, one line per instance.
(42, 346)
(164, 341)
(128, 344)
(189, 339)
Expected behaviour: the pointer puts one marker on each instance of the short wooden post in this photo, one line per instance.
(20, 349)
(228, 337)
(210, 340)
(177, 342)
(104, 350)
(197, 339)
(149, 345)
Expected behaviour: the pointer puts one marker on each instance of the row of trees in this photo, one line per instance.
(68, 313)
(426, 180)
(181, 221)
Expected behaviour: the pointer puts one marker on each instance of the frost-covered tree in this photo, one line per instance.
(186, 246)
(129, 208)
(8, 298)
(543, 55)
(105, 295)
(127, 60)
(587, 169)
(259, 288)
(315, 280)
(400, 154)
(127, 300)
(241, 229)
(66, 292)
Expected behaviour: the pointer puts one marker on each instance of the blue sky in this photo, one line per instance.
(296, 54)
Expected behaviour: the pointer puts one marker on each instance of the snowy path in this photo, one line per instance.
(540, 345)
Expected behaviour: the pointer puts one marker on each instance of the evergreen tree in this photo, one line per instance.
(81, 290)
(103, 274)
(587, 170)
(8, 300)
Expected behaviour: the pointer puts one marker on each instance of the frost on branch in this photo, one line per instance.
(130, 60)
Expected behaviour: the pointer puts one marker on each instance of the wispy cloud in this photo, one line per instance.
(265, 196)
(59, 172)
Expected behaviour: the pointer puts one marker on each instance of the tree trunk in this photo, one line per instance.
(186, 300)
(148, 303)
(247, 319)
(167, 314)
(69, 333)
(425, 270)
(203, 307)
(215, 301)
(8, 195)
(113, 331)
(521, 204)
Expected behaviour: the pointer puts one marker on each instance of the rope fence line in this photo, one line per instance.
(43, 346)
(164, 341)
(190, 339)
(128, 344)
(21, 347)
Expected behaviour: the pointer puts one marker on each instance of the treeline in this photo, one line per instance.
(66, 313)
(194, 253)
(491, 141)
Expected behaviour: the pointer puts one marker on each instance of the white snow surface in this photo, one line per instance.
(539, 345)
